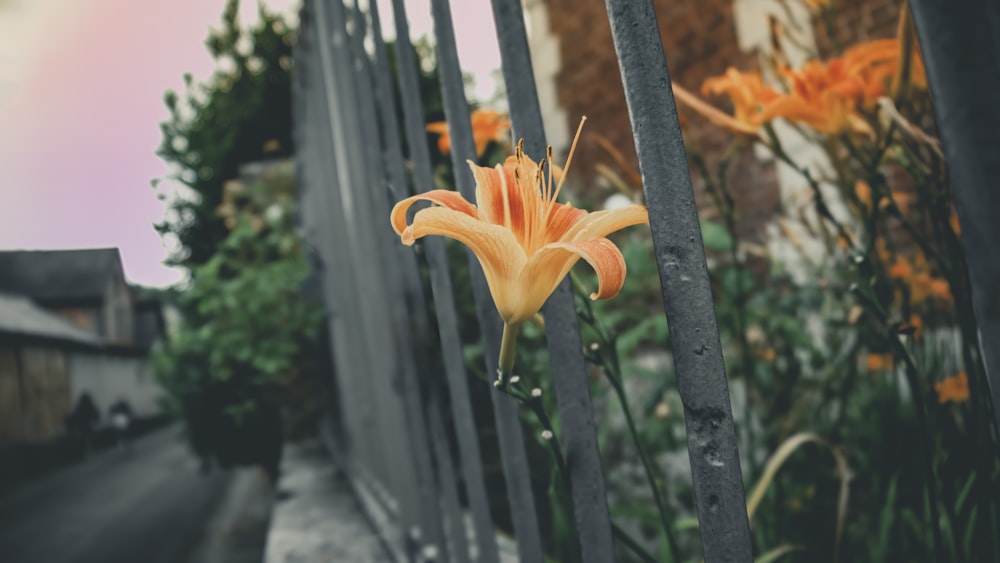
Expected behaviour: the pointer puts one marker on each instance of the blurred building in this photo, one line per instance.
(86, 287)
(71, 326)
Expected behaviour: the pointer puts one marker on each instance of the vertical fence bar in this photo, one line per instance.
(353, 280)
(347, 350)
(307, 192)
(562, 328)
(366, 186)
(364, 319)
(441, 286)
(687, 294)
(401, 267)
(452, 359)
(398, 380)
(505, 409)
(960, 42)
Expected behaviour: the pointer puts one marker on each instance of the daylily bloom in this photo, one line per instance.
(714, 115)
(917, 324)
(954, 388)
(879, 362)
(747, 92)
(827, 95)
(824, 96)
(524, 239)
(487, 126)
(864, 193)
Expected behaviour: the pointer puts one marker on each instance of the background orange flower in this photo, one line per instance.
(954, 389)
(487, 126)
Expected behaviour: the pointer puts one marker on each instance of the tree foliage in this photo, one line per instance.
(241, 352)
(238, 359)
(241, 114)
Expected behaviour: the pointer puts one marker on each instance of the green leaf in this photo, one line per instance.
(715, 236)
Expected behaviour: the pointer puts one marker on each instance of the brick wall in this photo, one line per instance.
(699, 37)
(858, 20)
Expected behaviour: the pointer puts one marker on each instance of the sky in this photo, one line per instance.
(81, 99)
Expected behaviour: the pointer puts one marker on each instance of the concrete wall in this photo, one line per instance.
(108, 378)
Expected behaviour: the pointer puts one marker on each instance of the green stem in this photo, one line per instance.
(647, 465)
(629, 542)
(821, 207)
(912, 380)
(508, 347)
(727, 205)
(613, 372)
(535, 405)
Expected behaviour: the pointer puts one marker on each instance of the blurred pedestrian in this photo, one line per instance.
(82, 421)
(121, 421)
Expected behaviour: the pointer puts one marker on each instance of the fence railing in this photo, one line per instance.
(389, 429)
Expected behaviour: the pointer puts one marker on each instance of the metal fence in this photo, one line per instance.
(389, 430)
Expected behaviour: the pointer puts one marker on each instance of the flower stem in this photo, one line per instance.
(612, 370)
(647, 463)
(535, 405)
(508, 347)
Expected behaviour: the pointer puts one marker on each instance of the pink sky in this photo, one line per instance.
(81, 90)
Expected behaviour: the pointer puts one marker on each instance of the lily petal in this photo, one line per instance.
(714, 115)
(603, 223)
(489, 195)
(496, 248)
(547, 267)
(561, 219)
(446, 198)
(439, 127)
(507, 195)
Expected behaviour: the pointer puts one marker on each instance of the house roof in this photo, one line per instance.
(19, 316)
(59, 274)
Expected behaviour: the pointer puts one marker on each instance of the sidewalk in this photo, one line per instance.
(237, 531)
(316, 517)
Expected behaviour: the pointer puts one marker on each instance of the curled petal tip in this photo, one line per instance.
(407, 236)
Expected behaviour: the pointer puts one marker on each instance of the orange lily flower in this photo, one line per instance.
(524, 239)
(486, 126)
(818, 4)
(823, 96)
(917, 324)
(879, 362)
(864, 193)
(746, 89)
(747, 92)
(714, 115)
(901, 270)
(954, 388)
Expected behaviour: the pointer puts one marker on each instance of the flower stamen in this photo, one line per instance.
(551, 200)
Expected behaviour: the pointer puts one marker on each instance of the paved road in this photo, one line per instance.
(149, 504)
